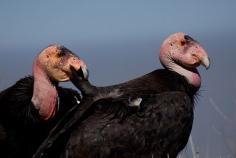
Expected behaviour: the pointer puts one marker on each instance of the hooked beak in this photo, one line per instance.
(81, 73)
(201, 54)
(84, 71)
(205, 61)
(78, 69)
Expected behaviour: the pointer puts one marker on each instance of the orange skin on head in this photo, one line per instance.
(51, 66)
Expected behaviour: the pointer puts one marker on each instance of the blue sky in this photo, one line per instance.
(78, 21)
(120, 40)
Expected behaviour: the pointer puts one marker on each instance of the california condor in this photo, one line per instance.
(150, 116)
(34, 104)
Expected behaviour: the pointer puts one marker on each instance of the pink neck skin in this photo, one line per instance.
(44, 93)
(191, 74)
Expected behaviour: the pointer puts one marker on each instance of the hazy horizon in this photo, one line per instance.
(120, 41)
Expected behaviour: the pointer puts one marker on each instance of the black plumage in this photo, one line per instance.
(33, 105)
(109, 127)
(21, 126)
(150, 116)
(160, 127)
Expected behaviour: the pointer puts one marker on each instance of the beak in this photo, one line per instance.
(82, 73)
(78, 67)
(84, 70)
(205, 61)
(202, 55)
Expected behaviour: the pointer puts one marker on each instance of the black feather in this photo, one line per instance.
(109, 128)
(21, 128)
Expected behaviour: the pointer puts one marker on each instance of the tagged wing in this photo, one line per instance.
(161, 126)
(161, 114)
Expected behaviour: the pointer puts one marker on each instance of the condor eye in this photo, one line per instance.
(182, 43)
(60, 54)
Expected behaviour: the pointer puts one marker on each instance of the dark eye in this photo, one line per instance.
(182, 43)
(60, 54)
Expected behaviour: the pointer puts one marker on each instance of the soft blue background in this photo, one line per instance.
(120, 40)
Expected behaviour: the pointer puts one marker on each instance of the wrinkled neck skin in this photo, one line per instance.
(44, 93)
(191, 74)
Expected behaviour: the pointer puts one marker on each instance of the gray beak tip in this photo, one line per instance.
(206, 62)
(85, 72)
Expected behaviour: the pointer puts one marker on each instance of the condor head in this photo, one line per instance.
(57, 61)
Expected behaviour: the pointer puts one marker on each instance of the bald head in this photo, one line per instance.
(182, 54)
(181, 49)
(52, 65)
(56, 61)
